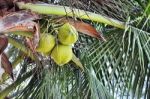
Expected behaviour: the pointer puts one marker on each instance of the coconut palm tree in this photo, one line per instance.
(111, 57)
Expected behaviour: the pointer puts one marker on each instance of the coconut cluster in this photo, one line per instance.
(61, 53)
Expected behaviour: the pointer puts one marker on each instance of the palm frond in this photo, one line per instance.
(123, 61)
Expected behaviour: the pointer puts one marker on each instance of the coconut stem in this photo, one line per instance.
(72, 12)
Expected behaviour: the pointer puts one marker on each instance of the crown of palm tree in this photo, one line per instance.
(118, 68)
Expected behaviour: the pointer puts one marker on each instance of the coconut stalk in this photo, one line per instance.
(49, 9)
